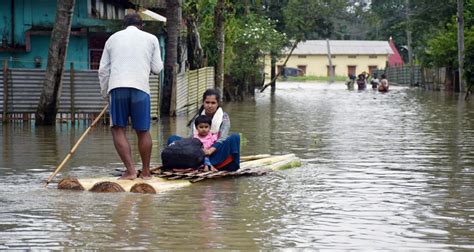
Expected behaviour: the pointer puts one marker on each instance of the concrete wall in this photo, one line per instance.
(316, 65)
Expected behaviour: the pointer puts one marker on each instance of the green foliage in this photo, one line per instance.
(427, 17)
(469, 13)
(357, 22)
(247, 38)
(254, 37)
(312, 19)
(205, 19)
(273, 9)
(469, 42)
(469, 56)
(442, 50)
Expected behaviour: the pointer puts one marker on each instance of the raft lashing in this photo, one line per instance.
(167, 180)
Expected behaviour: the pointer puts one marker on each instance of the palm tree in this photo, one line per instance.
(49, 100)
(168, 100)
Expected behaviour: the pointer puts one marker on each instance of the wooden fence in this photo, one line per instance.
(400, 75)
(427, 78)
(80, 95)
(440, 79)
(190, 87)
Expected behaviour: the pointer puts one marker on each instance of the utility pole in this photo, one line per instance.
(410, 51)
(461, 43)
(331, 68)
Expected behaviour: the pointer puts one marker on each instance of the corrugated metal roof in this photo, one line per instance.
(359, 47)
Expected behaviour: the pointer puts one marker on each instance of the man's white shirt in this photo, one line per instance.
(127, 60)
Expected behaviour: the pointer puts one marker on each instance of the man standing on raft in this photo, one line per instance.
(127, 60)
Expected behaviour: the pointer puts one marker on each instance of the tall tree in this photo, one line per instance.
(195, 52)
(219, 26)
(442, 48)
(427, 17)
(460, 18)
(173, 15)
(274, 10)
(49, 100)
(313, 19)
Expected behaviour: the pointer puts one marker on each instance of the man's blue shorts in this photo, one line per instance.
(130, 102)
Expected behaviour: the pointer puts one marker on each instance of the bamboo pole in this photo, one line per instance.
(76, 145)
(254, 157)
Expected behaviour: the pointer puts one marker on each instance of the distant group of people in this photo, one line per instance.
(364, 79)
(129, 57)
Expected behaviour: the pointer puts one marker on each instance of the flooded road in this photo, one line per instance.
(390, 171)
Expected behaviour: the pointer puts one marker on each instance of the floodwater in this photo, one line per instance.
(390, 171)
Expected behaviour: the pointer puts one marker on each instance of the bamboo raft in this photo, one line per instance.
(166, 180)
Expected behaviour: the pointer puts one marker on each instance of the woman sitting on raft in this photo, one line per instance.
(224, 154)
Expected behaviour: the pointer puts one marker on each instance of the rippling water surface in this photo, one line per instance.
(381, 171)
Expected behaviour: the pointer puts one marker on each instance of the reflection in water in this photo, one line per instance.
(381, 171)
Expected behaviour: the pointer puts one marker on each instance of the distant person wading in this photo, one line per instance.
(383, 87)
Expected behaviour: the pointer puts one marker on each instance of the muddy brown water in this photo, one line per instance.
(390, 171)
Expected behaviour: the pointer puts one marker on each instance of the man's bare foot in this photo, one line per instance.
(128, 176)
(145, 175)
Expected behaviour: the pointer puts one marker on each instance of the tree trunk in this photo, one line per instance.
(219, 23)
(272, 73)
(195, 53)
(460, 16)
(246, 7)
(173, 14)
(282, 67)
(49, 100)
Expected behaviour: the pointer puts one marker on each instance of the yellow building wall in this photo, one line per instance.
(316, 65)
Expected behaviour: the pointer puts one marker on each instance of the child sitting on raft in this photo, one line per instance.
(203, 126)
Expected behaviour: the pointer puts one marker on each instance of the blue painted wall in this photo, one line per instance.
(39, 15)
